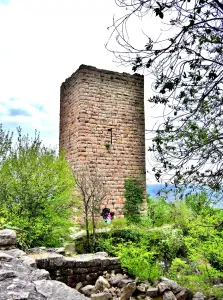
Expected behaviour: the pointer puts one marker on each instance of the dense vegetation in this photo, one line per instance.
(36, 194)
(182, 240)
(133, 194)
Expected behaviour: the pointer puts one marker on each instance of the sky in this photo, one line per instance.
(42, 42)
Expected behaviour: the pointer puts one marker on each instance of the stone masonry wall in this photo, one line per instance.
(84, 268)
(102, 125)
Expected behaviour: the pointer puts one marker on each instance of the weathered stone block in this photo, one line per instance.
(81, 270)
(69, 262)
(91, 277)
(7, 239)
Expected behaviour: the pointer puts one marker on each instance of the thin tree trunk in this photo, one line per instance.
(87, 229)
(93, 225)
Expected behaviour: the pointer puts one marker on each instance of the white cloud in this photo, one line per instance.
(42, 42)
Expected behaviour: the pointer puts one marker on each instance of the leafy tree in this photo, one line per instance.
(133, 194)
(5, 143)
(36, 191)
(187, 64)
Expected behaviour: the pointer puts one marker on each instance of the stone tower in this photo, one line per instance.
(102, 124)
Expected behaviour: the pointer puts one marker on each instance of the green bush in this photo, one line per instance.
(127, 235)
(197, 275)
(204, 238)
(106, 244)
(185, 238)
(168, 244)
(139, 262)
(36, 192)
(133, 194)
(198, 202)
(158, 211)
(110, 241)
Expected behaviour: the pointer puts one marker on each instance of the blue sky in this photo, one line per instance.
(4, 2)
(42, 42)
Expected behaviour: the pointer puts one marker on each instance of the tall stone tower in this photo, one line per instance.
(102, 124)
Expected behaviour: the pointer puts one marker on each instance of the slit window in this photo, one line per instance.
(110, 131)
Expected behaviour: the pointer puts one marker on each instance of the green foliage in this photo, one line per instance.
(168, 244)
(186, 65)
(158, 211)
(126, 235)
(138, 261)
(5, 143)
(110, 241)
(36, 192)
(119, 223)
(204, 238)
(186, 244)
(134, 197)
(107, 244)
(198, 202)
(197, 275)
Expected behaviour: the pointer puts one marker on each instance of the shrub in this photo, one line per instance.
(106, 244)
(139, 262)
(126, 235)
(158, 211)
(198, 202)
(133, 194)
(36, 192)
(119, 223)
(168, 244)
(197, 275)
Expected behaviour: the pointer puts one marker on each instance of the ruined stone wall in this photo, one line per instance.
(84, 268)
(102, 124)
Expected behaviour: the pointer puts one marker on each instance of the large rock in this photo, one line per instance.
(184, 294)
(55, 290)
(173, 285)
(101, 296)
(163, 287)
(40, 274)
(16, 253)
(7, 239)
(115, 280)
(199, 296)
(169, 295)
(19, 280)
(5, 257)
(101, 284)
(88, 290)
(152, 292)
(128, 290)
(28, 261)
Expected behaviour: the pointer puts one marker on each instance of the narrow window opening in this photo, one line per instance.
(110, 130)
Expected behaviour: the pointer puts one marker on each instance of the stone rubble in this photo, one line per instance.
(120, 287)
(21, 280)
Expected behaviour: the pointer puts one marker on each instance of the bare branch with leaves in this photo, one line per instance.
(187, 146)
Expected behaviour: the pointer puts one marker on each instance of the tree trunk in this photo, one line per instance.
(93, 230)
(87, 229)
